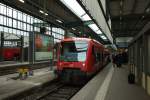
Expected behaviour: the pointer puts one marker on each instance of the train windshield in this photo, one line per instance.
(73, 51)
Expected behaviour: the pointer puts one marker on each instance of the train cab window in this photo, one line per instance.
(74, 50)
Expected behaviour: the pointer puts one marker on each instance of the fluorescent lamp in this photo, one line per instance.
(93, 27)
(41, 11)
(86, 17)
(99, 32)
(73, 29)
(46, 14)
(21, 1)
(74, 6)
(59, 21)
(103, 37)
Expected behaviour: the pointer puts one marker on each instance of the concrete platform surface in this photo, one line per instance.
(10, 87)
(12, 63)
(119, 88)
(111, 84)
(90, 90)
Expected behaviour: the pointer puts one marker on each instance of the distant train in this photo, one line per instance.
(80, 58)
(11, 53)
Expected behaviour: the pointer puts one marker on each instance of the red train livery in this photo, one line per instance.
(79, 58)
(12, 53)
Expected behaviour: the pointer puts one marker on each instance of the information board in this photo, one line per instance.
(43, 47)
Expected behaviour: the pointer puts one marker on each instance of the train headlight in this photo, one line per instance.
(60, 64)
(83, 64)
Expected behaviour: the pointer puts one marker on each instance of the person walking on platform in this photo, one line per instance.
(114, 60)
(118, 58)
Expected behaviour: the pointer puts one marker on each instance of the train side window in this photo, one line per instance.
(93, 52)
(99, 56)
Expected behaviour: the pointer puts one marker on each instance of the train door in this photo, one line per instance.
(97, 57)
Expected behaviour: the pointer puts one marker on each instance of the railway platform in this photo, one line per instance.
(111, 84)
(10, 86)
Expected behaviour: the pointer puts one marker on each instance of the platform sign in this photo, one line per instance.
(43, 47)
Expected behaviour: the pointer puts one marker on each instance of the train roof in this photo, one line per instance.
(76, 39)
(80, 39)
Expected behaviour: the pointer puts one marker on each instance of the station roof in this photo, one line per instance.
(56, 13)
(128, 16)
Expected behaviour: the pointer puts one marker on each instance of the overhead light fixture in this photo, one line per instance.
(103, 37)
(21, 1)
(73, 29)
(120, 18)
(93, 27)
(77, 9)
(148, 10)
(46, 14)
(41, 11)
(86, 17)
(59, 21)
(120, 12)
(121, 3)
(143, 16)
(74, 6)
(99, 32)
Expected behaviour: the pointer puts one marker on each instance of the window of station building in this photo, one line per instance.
(22, 33)
(14, 23)
(18, 32)
(4, 21)
(9, 11)
(2, 9)
(6, 29)
(19, 15)
(24, 26)
(31, 20)
(9, 22)
(28, 27)
(17, 22)
(1, 28)
(14, 31)
(28, 19)
(24, 18)
(14, 13)
(1, 19)
(19, 26)
(10, 30)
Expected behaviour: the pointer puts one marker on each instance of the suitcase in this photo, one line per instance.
(131, 78)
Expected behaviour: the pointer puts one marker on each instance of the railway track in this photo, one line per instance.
(54, 91)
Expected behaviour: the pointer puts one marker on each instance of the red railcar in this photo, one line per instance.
(11, 53)
(79, 57)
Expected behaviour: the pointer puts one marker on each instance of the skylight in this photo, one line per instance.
(75, 7)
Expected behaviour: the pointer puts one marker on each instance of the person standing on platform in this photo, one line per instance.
(119, 59)
(114, 60)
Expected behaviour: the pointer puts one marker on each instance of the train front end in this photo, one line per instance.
(71, 65)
